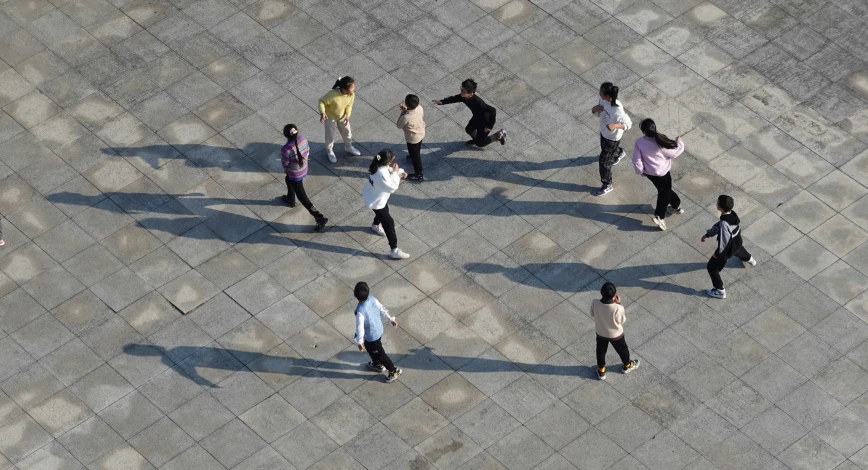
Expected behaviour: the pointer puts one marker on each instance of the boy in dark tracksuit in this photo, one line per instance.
(729, 244)
(484, 115)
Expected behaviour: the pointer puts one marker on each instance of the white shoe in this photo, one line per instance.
(751, 262)
(378, 229)
(332, 157)
(621, 156)
(671, 210)
(353, 151)
(660, 222)
(398, 254)
(717, 294)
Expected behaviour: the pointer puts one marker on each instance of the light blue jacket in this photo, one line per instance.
(369, 325)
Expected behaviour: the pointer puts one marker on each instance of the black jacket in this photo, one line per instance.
(483, 112)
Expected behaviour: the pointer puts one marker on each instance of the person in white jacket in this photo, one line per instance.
(613, 122)
(384, 180)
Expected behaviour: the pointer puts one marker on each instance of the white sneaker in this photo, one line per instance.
(751, 262)
(672, 210)
(398, 254)
(621, 156)
(378, 229)
(717, 294)
(660, 222)
(332, 157)
(353, 151)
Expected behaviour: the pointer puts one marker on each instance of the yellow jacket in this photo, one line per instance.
(337, 105)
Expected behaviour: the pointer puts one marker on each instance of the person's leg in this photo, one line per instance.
(388, 226)
(715, 266)
(330, 134)
(621, 348)
(470, 129)
(376, 218)
(663, 190)
(290, 192)
(346, 133)
(482, 137)
(415, 152)
(602, 347)
(378, 354)
(742, 254)
(674, 201)
(608, 152)
(298, 187)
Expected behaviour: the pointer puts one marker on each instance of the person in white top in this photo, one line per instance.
(385, 177)
(613, 122)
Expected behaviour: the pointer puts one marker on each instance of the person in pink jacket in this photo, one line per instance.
(652, 159)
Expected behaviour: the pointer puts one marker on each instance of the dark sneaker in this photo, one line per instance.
(601, 373)
(630, 366)
(621, 155)
(393, 376)
(320, 224)
(716, 293)
(417, 178)
(470, 142)
(378, 368)
(605, 189)
(288, 202)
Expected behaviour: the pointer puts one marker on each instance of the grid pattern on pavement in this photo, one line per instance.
(160, 307)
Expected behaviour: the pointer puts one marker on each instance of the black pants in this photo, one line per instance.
(608, 154)
(716, 264)
(378, 354)
(296, 189)
(620, 345)
(477, 132)
(382, 216)
(415, 151)
(665, 195)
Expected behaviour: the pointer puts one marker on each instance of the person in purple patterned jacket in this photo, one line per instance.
(293, 157)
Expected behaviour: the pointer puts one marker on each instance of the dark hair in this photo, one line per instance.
(343, 83)
(361, 291)
(610, 90)
(608, 291)
(725, 202)
(469, 85)
(649, 128)
(287, 131)
(411, 101)
(380, 160)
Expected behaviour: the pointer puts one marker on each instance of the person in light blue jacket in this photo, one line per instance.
(369, 331)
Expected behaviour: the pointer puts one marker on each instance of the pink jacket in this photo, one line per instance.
(650, 159)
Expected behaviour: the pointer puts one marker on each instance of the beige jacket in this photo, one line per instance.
(413, 123)
(609, 319)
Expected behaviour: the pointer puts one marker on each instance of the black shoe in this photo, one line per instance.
(501, 137)
(470, 142)
(288, 202)
(417, 178)
(320, 224)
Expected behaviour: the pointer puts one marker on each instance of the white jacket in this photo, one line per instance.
(613, 114)
(380, 186)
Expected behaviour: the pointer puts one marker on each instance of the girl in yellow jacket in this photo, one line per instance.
(335, 108)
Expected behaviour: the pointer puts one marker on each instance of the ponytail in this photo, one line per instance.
(649, 129)
(380, 160)
(610, 90)
(343, 83)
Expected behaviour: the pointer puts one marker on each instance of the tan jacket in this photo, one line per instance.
(413, 123)
(609, 319)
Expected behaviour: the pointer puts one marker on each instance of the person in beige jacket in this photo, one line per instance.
(412, 122)
(609, 318)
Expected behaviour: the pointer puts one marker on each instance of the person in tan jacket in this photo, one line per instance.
(609, 318)
(412, 122)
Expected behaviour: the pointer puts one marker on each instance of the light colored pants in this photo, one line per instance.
(332, 128)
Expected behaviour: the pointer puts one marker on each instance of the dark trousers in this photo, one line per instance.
(620, 345)
(415, 151)
(295, 189)
(608, 154)
(378, 354)
(382, 216)
(665, 195)
(476, 131)
(716, 264)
